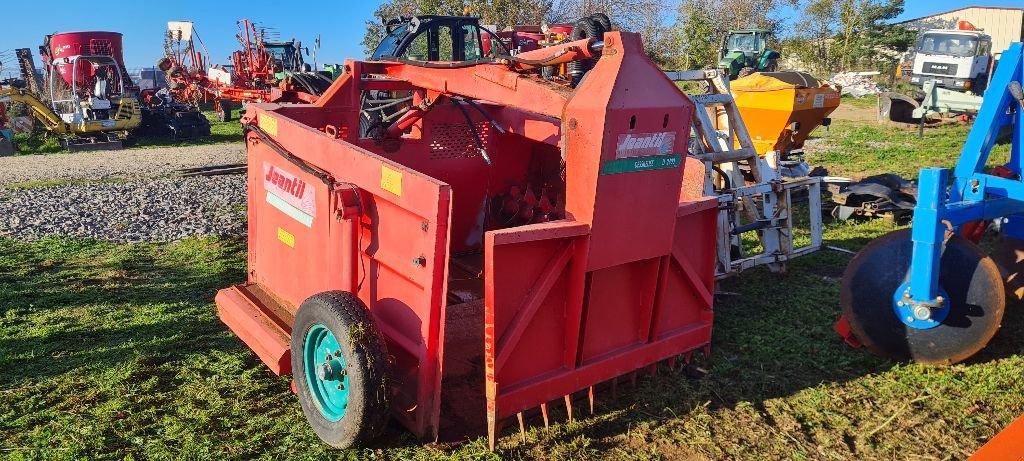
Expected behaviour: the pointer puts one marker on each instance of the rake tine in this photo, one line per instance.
(522, 427)
(544, 413)
(615, 388)
(672, 363)
(590, 396)
(653, 369)
(568, 405)
(632, 378)
(688, 357)
(707, 352)
(491, 432)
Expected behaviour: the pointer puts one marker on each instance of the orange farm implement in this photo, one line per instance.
(497, 242)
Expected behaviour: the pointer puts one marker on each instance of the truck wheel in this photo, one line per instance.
(340, 365)
(744, 72)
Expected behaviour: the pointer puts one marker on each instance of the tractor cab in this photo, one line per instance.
(438, 38)
(286, 56)
(746, 51)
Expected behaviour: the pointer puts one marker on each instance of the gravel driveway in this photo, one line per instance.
(123, 196)
(131, 163)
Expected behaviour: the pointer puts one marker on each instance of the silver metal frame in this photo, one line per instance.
(766, 203)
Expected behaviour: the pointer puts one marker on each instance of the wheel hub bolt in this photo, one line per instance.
(325, 372)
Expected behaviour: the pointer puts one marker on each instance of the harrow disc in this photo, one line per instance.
(970, 278)
(1009, 255)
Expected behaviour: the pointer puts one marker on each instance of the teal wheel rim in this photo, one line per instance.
(326, 375)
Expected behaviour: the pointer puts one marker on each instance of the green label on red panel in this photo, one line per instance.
(629, 165)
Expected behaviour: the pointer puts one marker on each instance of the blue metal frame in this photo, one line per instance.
(973, 196)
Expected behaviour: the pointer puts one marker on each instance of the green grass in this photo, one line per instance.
(866, 101)
(863, 149)
(115, 351)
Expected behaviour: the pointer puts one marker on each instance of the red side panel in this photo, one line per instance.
(553, 328)
(379, 229)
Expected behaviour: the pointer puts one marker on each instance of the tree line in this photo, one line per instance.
(823, 36)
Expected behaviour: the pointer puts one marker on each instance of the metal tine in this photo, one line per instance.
(615, 388)
(672, 363)
(632, 378)
(652, 369)
(590, 397)
(688, 357)
(544, 413)
(522, 427)
(568, 405)
(707, 352)
(493, 430)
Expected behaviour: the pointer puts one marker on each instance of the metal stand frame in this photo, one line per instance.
(765, 206)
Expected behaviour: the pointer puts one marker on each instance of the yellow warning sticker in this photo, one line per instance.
(286, 237)
(391, 180)
(268, 124)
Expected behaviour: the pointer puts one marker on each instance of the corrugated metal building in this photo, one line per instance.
(1004, 25)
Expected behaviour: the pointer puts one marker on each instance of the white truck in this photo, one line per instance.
(956, 59)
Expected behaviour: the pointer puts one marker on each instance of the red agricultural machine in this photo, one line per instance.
(263, 70)
(492, 242)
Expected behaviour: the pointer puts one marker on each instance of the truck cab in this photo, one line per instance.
(954, 59)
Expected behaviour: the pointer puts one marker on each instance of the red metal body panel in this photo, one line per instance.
(619, 276)
(69, 44)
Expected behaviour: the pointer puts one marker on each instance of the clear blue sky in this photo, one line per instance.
(144, 22)
(340, 23)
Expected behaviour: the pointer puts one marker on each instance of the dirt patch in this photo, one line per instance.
(855, 113)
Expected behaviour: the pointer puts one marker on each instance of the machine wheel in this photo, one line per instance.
(223, 109)
(744, 72)
(971, 280)
(340, 365)
(603, 20)
(1009, 255)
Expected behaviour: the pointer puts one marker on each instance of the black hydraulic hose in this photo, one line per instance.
(394, 102)
(472, 129)
(324, 176)
(490, 119)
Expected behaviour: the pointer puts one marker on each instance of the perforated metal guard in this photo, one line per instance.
(455, 140)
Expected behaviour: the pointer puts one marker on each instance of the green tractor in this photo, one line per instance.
(746, 51)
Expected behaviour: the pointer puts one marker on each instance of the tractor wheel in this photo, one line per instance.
(340, 365)
(603, 20)
(744, 72)
(223, 109)
(974, 292)
(772, 66)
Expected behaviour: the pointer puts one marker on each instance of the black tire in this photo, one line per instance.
(603, 20)
(583, 28)
(223, 108)
(970, 278)
(745, 72)
(366, 365)
(1009, 255)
